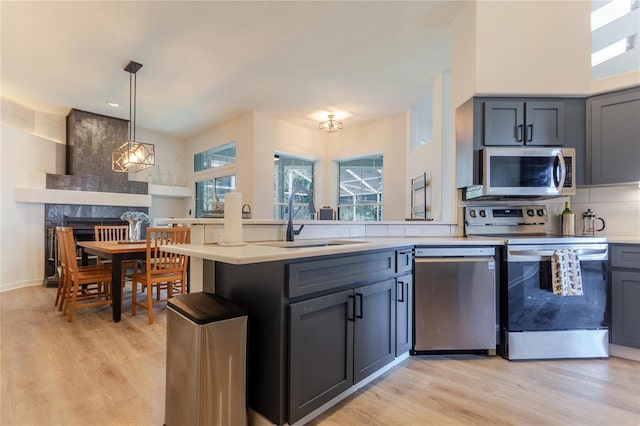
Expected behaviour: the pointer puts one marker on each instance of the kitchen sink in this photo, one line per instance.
(310, 243)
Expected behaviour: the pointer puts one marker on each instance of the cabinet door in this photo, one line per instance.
(625, 315)
(615, 132)
(320, 351)
(504, 123)
(544, 123)
(374, 329)
(404, 314)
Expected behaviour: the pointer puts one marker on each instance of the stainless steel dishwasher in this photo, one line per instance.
(455, 300)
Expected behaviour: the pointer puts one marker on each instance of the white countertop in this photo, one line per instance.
(256, 252)
(623, 239)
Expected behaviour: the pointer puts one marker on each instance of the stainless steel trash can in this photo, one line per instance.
(206, 361)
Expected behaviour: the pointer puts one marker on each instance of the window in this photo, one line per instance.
(290, 172)
(215, 157)
(614, 37)
(211, 191)
(360, 189)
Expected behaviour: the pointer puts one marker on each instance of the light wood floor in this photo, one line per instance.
(96, 372)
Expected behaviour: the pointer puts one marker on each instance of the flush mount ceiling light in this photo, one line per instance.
(330, 125)
(132, 156)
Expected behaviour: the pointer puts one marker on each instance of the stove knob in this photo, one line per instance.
(483, 213)
(530, 212)
(540, 212)
(472, 213)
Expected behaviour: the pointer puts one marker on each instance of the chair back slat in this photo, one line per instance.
(111, 233)
(160, 262)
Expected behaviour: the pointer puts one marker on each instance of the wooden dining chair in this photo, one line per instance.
(83, 286)
(61, 294)
(116, 233)
(163, 271)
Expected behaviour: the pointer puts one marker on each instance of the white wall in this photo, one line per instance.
(533, 47)
(22, 251)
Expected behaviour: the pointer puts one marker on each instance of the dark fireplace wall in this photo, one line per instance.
(90, 140)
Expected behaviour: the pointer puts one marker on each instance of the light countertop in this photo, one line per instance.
(623, 239)
(256, 252)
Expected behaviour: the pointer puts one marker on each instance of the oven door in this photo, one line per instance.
(529, 171)
(540, 324)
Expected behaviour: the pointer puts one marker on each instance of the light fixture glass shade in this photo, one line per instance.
(132, 157)
(330, 125)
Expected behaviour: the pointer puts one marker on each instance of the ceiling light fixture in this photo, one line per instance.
(330, 125)
(132, 156)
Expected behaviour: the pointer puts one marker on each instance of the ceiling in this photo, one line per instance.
(205, 63)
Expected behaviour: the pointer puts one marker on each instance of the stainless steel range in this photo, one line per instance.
(537, 322)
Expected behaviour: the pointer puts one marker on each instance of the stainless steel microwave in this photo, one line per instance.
(524, 173)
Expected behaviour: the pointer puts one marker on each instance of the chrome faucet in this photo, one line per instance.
(290, 231)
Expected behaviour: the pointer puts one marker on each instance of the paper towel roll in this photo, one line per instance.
(233, 218)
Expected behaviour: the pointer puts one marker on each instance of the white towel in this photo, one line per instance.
(565, 272)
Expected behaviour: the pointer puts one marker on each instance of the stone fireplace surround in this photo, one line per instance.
(90, 140)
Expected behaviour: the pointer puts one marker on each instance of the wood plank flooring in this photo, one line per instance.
(96, 372)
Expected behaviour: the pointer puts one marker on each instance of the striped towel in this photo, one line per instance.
(565, 272)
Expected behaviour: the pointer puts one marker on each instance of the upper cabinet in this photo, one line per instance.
(517, 122)
(614, 137)
(505, 121)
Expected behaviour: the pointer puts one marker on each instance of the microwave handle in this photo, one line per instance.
(562, 167)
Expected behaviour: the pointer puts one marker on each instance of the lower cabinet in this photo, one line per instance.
(404, 313)
(337, 340)
(625, 295)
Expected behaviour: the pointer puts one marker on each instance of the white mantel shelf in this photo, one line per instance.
(168, 191)
(88, 198)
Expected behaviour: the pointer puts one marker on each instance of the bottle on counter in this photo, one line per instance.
(568, 220)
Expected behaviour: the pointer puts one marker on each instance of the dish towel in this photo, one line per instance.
(565, 272)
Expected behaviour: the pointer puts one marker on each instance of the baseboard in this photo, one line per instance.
(624, 352)
(19, 284)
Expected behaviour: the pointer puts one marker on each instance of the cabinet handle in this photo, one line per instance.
(519, 133)
(530, 133)
(351, 308)
(401, 285)
(359, 295)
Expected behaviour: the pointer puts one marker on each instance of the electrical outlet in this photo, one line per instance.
(411, 231)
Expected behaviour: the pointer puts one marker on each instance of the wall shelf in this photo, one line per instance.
(169, 191)
(88, 198)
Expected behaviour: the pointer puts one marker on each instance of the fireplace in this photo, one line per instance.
(90, 140)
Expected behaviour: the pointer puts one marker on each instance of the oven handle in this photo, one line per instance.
(583, 254)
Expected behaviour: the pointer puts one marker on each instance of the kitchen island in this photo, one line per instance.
(326, 316)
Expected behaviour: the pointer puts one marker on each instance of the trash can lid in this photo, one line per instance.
(203, 308)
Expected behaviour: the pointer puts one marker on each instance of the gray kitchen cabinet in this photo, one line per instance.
(375, 328)
(320, 351)
(336, 341)
(316, 326)
(523, 122)
(404, 314)
(613, 139)
(625, 295)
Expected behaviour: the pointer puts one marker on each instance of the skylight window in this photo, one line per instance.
(610, 12)
(613, 50)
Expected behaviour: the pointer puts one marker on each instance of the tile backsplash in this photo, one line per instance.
(618, 205)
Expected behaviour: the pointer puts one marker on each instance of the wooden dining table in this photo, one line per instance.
(116, 251)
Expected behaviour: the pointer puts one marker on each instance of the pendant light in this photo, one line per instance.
(330, 125)
(132, 156)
